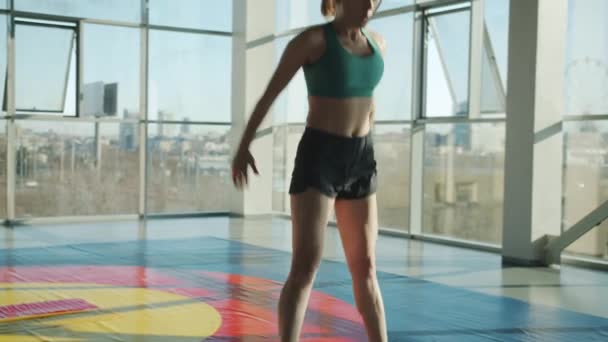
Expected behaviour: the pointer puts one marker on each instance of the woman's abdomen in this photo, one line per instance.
(346, 117)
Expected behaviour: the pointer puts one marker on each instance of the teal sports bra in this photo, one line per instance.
(339, 73)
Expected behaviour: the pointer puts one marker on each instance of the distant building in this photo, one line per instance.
(164, 129)
(129, 132)
(185, 127)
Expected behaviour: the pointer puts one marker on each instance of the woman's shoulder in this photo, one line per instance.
(310, 42)
(377, 37)
(311, 36)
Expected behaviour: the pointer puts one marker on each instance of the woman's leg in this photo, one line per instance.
(309, 215)
(357, 223)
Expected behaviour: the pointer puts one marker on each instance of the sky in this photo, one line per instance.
(190, 75)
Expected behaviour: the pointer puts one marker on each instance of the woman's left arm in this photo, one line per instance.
(382, 45)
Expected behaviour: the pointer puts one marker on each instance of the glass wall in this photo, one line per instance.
(3, 148)
(392, 151)
(3, 122)
(189, 77)
(286, 144)
(586, 182)
(393, 96)
(78, 89)
(111, 71)
(292, 14)
(80, 85)
(393, 101)
(586, 129)
(586, 69)
(447, 36)
(116, 10)
(3, 60)
(188, 168)
(463, 181)
(189, 111)
(495, 57)
(195, 14)
(279, 169)
(75, 168)
(392, 4)
(292, 104)
(45, 68)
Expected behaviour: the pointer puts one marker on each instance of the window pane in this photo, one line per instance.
(190, 77)
(463, 181)
(492, 91)
(2, 168)
(297, 13)
(119, 10)
(495, 56)
(392, 151)
(205, 14)
(394, 93)
(280, 177)
(58, 173)
(290, 135)
(389, 4)
(45, 62)
(279, 108)
(3, 63)
(292, 14)
(594, 244)
(111, 80)
(292, 104)
(447, 53)
(188, 168)
(586, 182)
(586, 70)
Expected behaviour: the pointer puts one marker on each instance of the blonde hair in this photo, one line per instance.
(328, 8)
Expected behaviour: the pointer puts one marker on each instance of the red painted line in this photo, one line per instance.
(46, 308)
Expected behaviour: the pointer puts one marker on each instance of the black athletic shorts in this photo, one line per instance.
(337, 166)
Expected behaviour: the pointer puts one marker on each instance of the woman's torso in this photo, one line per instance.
(344, 117)
(338, 109)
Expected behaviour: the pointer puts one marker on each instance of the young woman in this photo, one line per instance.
(335, 164)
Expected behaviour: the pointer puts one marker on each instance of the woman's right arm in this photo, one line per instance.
(297, 53)
(294, 56)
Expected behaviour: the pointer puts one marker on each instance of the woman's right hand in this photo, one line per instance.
(240, 165)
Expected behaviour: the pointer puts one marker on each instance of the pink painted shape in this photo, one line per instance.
(102, 275)
(190, 292)
(44, 308)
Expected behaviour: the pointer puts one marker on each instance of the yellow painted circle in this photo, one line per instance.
(123, 314)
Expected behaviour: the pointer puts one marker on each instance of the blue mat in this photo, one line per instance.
(416, 310)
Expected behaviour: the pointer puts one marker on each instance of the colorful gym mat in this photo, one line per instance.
(212, 289)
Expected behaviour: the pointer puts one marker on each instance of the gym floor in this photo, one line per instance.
(218, 279)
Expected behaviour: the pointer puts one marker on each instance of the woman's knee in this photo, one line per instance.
(303, 270)
(363, 268)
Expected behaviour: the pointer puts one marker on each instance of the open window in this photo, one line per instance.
(447, 55)
(494, 58)
(46, 67)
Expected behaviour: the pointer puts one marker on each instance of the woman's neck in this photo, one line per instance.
(353, 32)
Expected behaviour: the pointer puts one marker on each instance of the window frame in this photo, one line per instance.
(426, 16)
(75, 50)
